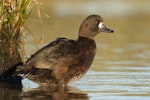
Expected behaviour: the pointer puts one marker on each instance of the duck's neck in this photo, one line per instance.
(87, 43)
(82, 38)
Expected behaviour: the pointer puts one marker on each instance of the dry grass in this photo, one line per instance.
(13, 14)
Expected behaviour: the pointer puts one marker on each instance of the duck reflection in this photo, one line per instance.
(15, 92)
(55, 93)
(10, 91)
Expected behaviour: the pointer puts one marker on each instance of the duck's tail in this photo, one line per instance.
(9, 76)
(19, 71)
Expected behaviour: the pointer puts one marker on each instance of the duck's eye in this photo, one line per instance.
(97, 22)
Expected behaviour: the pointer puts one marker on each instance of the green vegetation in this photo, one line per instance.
(13, 14)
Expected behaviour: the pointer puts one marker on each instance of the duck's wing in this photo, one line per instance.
(60, 50)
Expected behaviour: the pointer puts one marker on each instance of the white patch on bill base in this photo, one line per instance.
(100, 25)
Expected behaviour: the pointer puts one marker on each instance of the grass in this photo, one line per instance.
(13, 14)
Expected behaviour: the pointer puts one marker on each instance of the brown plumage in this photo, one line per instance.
(63, 60)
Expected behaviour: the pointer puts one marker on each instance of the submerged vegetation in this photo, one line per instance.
(13, 14)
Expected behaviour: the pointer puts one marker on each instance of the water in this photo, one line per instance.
(120, 71)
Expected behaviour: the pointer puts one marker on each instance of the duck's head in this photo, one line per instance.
(93, 25)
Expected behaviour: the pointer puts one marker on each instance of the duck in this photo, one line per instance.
(64, 61)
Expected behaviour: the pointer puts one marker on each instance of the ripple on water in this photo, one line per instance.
(102, 84)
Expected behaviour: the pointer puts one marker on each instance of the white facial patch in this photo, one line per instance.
(100, 25)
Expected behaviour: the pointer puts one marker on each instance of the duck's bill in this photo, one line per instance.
(103, 28)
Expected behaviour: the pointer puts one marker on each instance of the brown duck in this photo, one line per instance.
(63, 60)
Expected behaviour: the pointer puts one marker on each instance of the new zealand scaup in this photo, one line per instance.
(64, 60)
